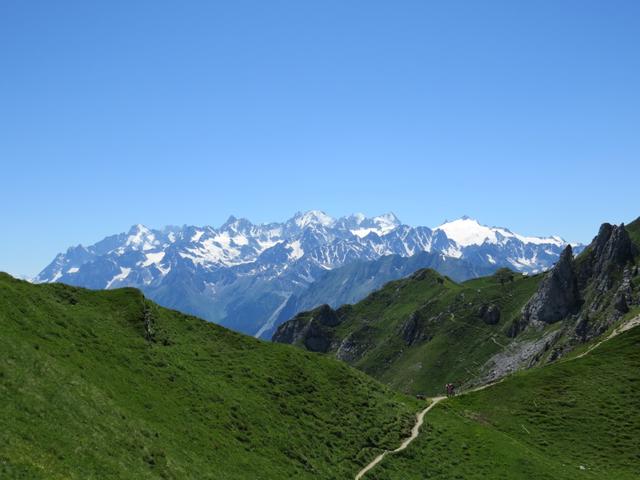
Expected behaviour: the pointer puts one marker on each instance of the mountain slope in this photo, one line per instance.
(572, 419)
(243, 275)
(108, 385)
(418, 333)
(353, 282)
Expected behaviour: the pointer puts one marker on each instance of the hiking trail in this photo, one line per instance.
(414, 433)
(628, 325)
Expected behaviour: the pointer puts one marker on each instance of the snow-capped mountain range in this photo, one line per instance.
(242, 274)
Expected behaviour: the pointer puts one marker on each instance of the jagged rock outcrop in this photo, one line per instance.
(490, 314)
(612, 247)
(515, 356)
(325, 315)
(558, 295)
(316, 340)
(354, 346)
(410, 328)
(605, 276)
(596, 287)
(149, 324)
(587, 294)
(624, 295)
(416, 328)
(311, 329)
(610, 251)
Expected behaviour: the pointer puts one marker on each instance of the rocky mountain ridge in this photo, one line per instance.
(245, 276)
(498, 324)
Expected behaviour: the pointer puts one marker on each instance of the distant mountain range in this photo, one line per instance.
(253, 277)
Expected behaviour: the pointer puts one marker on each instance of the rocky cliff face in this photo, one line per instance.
(589, 293)
(581, 297)
(558, 295)
(605, 275)
(610, 251)
(490, 314)
(313, 329)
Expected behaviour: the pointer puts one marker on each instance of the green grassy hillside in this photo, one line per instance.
(573, 419)
(108, 385)
(418, 333)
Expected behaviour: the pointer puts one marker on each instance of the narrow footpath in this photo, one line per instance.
(414, 433)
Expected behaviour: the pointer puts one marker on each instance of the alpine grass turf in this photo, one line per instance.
(106, 385)
(450, 342)
(578, 418)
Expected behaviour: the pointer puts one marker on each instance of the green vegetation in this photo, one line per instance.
(634, 231)
(108, 385)
(418, 333)
(459, 341)
(577, 418)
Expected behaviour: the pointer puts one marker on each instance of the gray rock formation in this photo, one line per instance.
(516, 356)
(558, 295)
(605, 274)
(415, 328)
(612, 248)
(609, 252)
(410, 328)
(490, 314)
(311, 329)
(354, 346)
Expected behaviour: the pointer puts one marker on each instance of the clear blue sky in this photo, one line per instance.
(521, 114)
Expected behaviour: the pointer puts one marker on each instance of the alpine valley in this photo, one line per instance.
(252, 278)
(107, 384)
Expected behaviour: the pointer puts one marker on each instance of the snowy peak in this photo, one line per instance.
(362, 226)
(387, 222)
(312, 217)
(141, 238)
(312, 241)
(356, 218)
(467, 231)
(236, 224)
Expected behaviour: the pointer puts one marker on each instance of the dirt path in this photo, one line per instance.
(414, 433)
(416, 428)
(434, 401)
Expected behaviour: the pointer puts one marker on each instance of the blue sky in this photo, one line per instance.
(521, 114)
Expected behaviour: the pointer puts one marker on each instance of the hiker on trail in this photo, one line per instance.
(450, 389)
